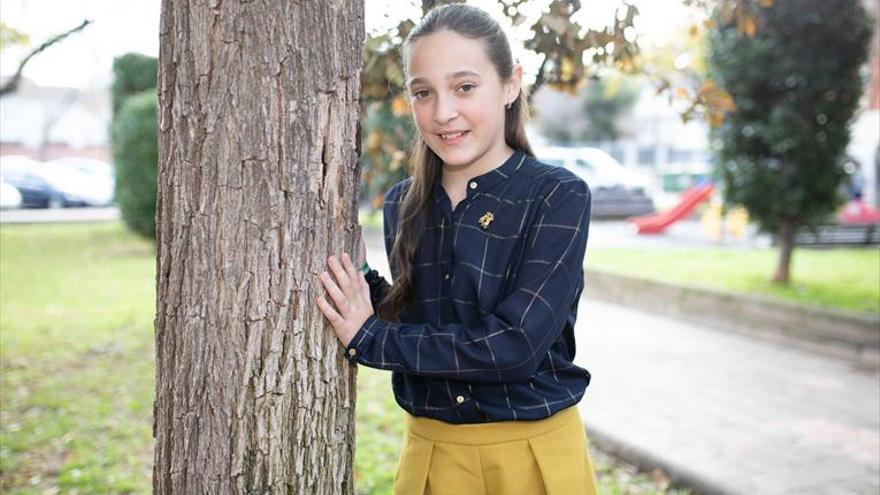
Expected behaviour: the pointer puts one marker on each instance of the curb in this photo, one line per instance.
(849, 336)
(679, 477)
(59, 215)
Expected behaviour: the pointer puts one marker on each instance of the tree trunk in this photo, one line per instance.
(258, 175)
(787, 230)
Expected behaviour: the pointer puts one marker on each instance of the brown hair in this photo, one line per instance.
(425, 166)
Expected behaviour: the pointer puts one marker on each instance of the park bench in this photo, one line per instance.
(839, 235)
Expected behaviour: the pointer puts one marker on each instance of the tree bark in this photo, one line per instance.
(258, 175)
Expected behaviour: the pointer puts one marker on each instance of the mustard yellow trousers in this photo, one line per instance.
(544, 457)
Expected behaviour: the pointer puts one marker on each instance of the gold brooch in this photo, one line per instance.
(486, 219)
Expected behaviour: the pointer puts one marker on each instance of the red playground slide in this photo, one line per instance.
(656, 223)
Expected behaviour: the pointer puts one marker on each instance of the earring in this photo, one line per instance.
(507, 106)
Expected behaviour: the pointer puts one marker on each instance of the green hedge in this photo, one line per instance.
(135, 153)
(132, 73)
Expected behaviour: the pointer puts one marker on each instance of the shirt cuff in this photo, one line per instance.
(362, 339)
(371, 275)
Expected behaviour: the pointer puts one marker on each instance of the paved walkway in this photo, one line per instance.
(741, 416)
(733, 414)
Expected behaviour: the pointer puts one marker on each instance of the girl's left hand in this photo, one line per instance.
(351, 295)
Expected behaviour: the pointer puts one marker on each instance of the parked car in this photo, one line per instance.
(616, 190)
(21, 172)
(96, 179)
(89, 166)
(52, 185)
(9, 196)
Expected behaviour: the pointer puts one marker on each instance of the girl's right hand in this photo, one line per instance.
(350, 293)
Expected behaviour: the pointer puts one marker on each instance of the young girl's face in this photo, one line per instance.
(458, 99)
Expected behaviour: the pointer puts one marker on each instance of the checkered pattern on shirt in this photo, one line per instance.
(489, 335)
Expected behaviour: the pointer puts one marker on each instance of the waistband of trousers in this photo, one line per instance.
(487, 433)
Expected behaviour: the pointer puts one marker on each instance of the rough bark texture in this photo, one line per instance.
(258, 174)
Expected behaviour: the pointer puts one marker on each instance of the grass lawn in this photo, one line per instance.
(77, 371)
(843, 278)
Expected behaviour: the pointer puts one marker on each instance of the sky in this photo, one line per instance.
(85, 58)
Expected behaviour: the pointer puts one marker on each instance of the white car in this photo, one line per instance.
(617, 191)
(89, 166)
(92, 180)
(55, 184)
(602, 170)
(9, 196)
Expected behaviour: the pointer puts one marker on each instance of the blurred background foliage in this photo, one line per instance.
(572, 59)
(603, 102)
(573, 56)
(134, 138)
(11, 36)
(135, 154)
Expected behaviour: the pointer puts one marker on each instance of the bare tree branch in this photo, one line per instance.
(12, 84)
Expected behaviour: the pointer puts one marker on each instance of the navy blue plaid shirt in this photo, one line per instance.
(489, 334)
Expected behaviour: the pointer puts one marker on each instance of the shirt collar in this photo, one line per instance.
(485, 181)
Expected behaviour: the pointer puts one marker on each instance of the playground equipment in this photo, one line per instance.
(656, 223)
(718, 225)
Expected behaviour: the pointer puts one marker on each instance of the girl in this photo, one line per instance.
(486, 247)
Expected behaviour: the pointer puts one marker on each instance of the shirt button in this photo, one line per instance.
(459, 399)
(446, 276)
(352, 351)
(473, 185)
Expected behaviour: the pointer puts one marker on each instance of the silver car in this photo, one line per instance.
(616, 190)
